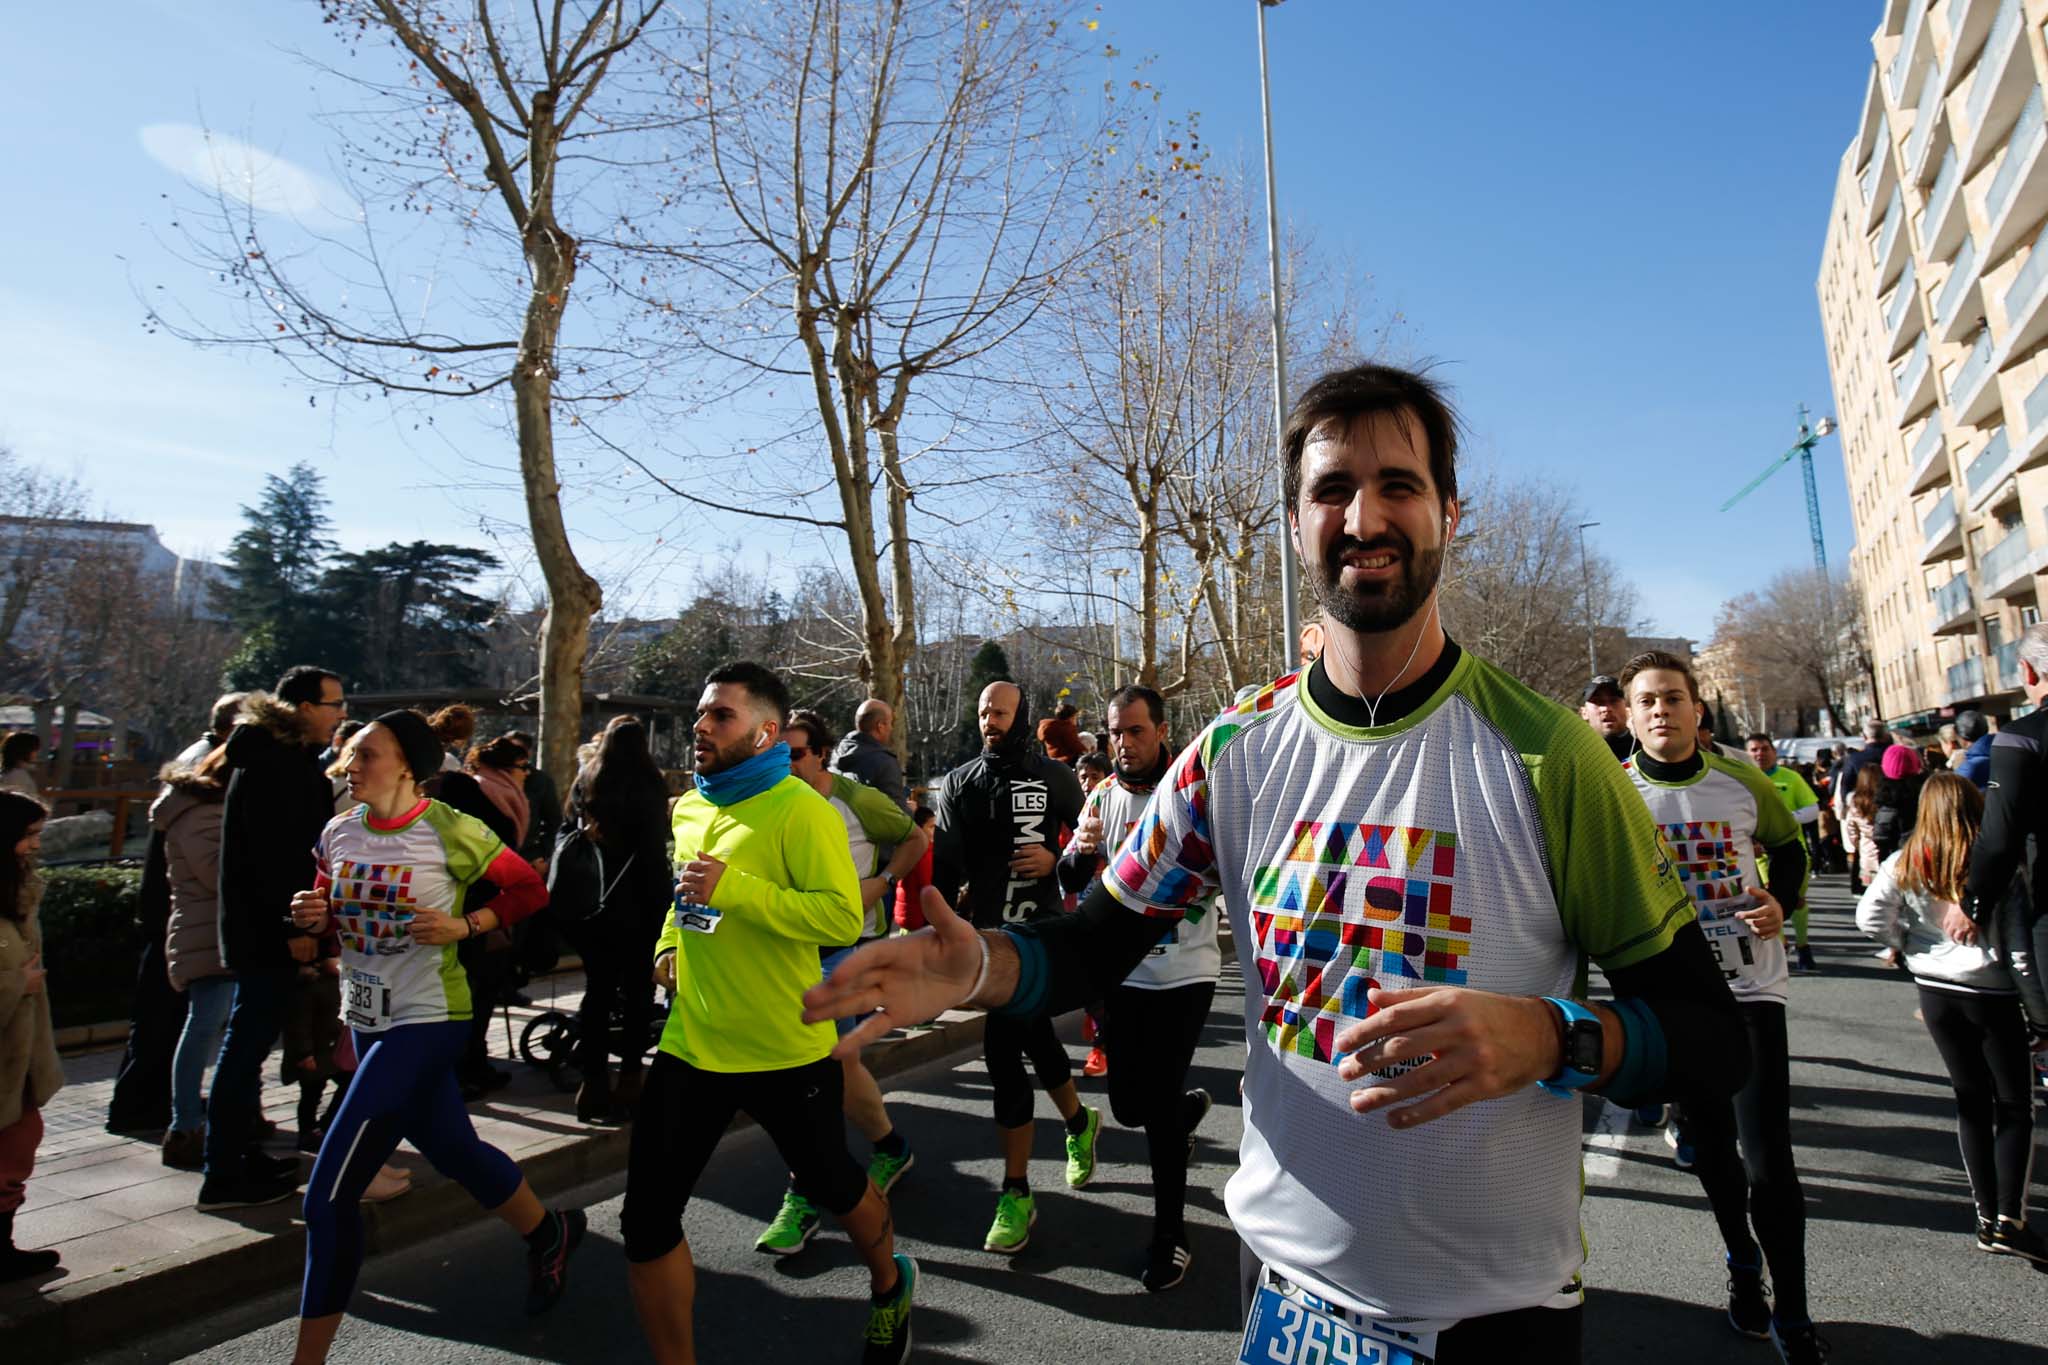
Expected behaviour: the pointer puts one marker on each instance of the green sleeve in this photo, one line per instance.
(1774, 822)
(885, 821)
(821, 902)
(466, 841)
(1616, 890)
(1802, 792)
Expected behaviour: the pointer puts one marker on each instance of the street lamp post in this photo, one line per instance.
(1290, 583)
(1586, 582)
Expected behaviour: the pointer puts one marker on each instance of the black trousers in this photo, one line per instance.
(1151, 1041)
(1758, 1186)
(1983, 1043)
(618, 975)
(142, 1088)
(1005, 1043)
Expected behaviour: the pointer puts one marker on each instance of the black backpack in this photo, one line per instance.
(579, 883)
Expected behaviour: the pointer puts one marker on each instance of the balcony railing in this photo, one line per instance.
(1880, 149)
(1960, 273)
(1916, 366)
(1966, 679)
(2037, 406)
(1902, 299)
(1986, 79)
(1952, 599)
(1930, 440)
(2029, 279)
(1924, 116)
(2006, 659)
(1893, 217)
(1987, 462)
(1941, 517)
(1937, 198)
(1973, 369)
(1896, 73)
(2002, 560)
(2017, 147)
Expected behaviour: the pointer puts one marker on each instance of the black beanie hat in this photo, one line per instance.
(416, 741)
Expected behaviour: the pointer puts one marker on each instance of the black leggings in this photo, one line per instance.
(1151, 1041)
(1761, 1185)
(617, 982)
(1983, 1042)
(1004, 1045)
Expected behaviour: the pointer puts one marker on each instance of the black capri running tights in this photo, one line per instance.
(1004, 1046)
(1983, 1042)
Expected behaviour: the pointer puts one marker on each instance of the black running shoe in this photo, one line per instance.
(2016, 1239)
(1749, 1310)
(1167, 1265)
(1799, 1345)
(547, 1274)
(263, 1166)
(218, 1192)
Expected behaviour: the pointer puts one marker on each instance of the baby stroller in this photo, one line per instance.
(549, 1040)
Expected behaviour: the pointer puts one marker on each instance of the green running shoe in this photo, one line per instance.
(791, 1231)
(885, 1170)
(1015, 1213)
(1081, 1150)
(889, 1323)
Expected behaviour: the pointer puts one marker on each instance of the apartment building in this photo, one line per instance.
(1934, 296)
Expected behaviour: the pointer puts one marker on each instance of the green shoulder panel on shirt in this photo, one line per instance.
(885, 821)
(1798, 793)
(469, 842)
(1774, 822)
(1616, 891)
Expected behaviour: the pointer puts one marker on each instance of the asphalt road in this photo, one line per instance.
(1892, 1271)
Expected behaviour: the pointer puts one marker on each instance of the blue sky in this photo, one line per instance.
(1604, 220)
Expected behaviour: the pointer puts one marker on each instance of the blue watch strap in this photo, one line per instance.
(1569, 1080)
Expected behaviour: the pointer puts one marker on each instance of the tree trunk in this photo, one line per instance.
(573, 595)
(67, 741)
(889, 684)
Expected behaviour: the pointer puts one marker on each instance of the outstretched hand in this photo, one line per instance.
(904, 980)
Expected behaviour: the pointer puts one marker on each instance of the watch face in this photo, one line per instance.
(1584, 1046)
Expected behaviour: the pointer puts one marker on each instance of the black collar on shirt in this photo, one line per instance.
(1346, 709)
(1658, 771)
(1146, 782)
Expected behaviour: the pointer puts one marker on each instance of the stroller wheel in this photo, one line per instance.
(548, 1039)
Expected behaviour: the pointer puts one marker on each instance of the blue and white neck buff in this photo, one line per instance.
(730, 786)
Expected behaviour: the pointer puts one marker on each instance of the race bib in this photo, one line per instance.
(1284, 1330)
(692, 918)
(365, 1001)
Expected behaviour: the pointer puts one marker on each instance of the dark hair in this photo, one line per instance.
(923, 815)
(1093, 759)
(18, 815)
(523, 738)
(622, 787)
(1066, 710)
(1758, 737)
(817, 731)
(226, 712)
(303, 683)
(18, 748)
(1345, 395)
(1154, 703)
(453, 724)
(1658, 659)
(501, 752)
(1971, 726)
(1863, 797)
(767, 690)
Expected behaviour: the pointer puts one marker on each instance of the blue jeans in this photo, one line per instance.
(207, 1001)
(237, 1098)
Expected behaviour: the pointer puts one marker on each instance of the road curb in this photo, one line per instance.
(73, 1319)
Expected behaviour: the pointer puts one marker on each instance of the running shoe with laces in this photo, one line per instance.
(885, 1170)
(1200, 1101)
(889, 1322)
(1167, 1264)
(1651, 1115)
(1680, 1145)
(1097, 1063)
(1749, 1308)
(2014, 1239)
(1081, 1149)
(1009, 1234)
(1800, 1345)
(547, 1272)
(791, 1229)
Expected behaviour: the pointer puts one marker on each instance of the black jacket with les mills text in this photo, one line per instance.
(1006, 798)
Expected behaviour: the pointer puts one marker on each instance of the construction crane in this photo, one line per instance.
(1809, 436)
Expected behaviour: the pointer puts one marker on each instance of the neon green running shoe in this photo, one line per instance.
(1015, 1213)
(1081, 1150)
(885, 1170)
(791, 1231)
(889, 1323)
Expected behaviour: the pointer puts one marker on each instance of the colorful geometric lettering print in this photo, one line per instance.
(373, 906)
(1347, 907)
(1708, 864)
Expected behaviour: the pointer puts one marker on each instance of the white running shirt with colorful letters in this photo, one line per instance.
(1710, 824)
(375, 879)
(1487, 839)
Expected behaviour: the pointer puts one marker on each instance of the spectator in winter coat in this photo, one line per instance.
(1060, 736)
(29, 1070)
(220, 724)
(1975, 733)
(865, 756)
(909, 913)
(188, 813)
(1902, 771)
(1859, 826)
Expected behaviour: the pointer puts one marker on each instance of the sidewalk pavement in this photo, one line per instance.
(136, 1252)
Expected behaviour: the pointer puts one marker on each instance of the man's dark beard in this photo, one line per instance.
(731, 757)
(1388, 607)
(1132, 772)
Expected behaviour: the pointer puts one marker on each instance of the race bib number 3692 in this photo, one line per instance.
(1285, 1331)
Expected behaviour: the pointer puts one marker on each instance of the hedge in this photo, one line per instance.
(92, 940)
